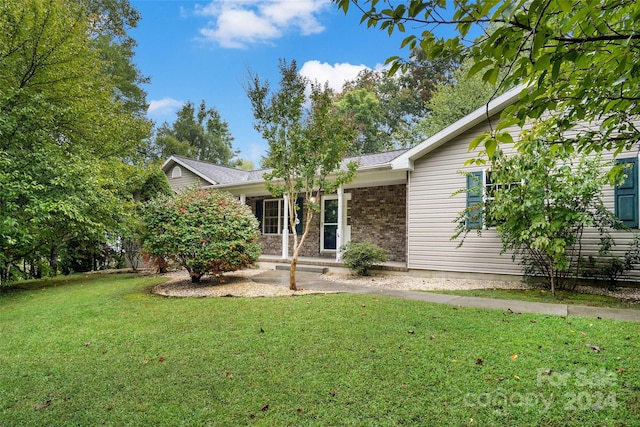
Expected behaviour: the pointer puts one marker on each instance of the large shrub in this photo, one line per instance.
(359, 257)
(205, 231)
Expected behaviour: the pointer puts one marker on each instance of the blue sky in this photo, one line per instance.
(202, 50)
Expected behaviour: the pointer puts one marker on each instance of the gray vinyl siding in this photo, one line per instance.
(432, 210)
(188, 179)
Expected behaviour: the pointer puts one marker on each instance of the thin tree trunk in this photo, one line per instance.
(53, 260)
(292, 272)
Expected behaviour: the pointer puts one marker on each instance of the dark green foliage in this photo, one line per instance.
(359, 257)
(387, 108)
(205, 231)
(71, 121)
(200, 133)
(608, 266)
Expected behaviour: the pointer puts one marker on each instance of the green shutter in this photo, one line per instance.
(259, 214)
(626, 195)
(300, 224)
(474, 200)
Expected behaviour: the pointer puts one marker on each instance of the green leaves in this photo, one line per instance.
(204, 231)
(577, 57)
(306, 146)
(199, 132)
(70, 126)
(543, 197)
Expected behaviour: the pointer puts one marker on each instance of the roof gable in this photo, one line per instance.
(212, 173)
(223, 175)
(405, 161)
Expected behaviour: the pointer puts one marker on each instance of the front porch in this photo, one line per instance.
(376, 214)
(273, 261)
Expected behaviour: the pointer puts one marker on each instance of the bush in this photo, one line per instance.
(359, 257)
(609, 267)
(205, 231)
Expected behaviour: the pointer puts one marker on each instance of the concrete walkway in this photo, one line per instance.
(313, 281)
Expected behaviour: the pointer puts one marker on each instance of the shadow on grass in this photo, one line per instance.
(59, 281)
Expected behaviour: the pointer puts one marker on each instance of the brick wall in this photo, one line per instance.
(379, 214)
(272, 243)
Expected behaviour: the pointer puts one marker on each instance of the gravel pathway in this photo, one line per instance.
(239, 284)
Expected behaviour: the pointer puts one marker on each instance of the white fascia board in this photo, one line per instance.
(179, 162)
(377, 170)
(405, 161)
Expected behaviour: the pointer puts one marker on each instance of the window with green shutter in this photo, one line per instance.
(474, 200)
(626, 195)
(270, 215)
(300, 209)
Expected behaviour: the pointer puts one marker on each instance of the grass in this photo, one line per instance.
(542, 295)
(101, 349)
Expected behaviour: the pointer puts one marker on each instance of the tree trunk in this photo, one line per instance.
(53, 260)
(292, 272)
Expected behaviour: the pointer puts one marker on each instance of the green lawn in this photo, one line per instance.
(101, 350)
(542, 295)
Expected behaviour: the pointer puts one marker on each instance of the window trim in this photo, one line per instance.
(633, 224)
(488, 194)
(322, 223)
(280, 216)
(176, 172)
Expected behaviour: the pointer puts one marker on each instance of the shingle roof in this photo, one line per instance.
(216, 173)
(225, 175)
(376, 159)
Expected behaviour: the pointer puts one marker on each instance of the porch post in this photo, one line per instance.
(285, 229)
(339, 232)
(243, 199)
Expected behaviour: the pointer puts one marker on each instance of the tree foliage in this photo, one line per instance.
(452, 101)
(387, 107)
(198, 133)
(64, 132)
(578, 61)
(205, 231)
(306, 144)
(540, 201)
(363, 106)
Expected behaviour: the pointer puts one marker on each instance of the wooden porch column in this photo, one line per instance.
(285, 229)
(339, 231)
(243, 199)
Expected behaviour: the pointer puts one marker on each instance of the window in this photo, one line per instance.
(626, 195)
(272, 216)
(474, 200)
(481, 191)
(176, 172)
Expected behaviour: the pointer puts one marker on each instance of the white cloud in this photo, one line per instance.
(238, 23)
(335, 75)
(164, 107)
